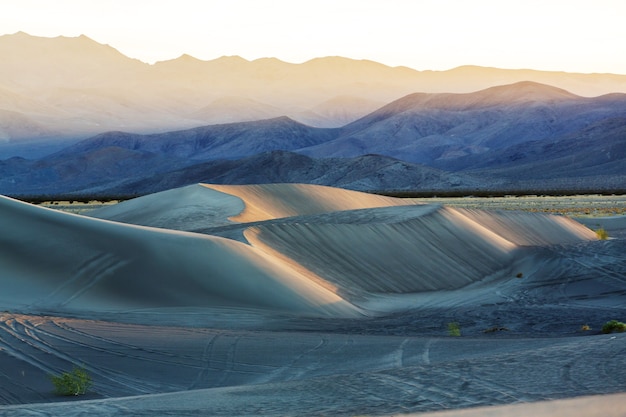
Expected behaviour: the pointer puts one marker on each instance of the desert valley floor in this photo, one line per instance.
(302, 300)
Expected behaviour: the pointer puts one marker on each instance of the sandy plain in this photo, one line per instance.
(304, 300)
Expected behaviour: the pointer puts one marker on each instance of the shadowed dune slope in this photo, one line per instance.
(186, 208)
(398, 250)
(423, 249)
(65, 262)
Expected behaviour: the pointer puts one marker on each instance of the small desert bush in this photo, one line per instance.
(602, 234)
(454, 329)
(613, 326)
(520, 275)
(76, 382)
(585, 328)
(496, 329)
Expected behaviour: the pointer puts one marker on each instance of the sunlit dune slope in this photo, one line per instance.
(271, 201)
(412, 248)
(530, 229)
(395, 250)
(58, 261)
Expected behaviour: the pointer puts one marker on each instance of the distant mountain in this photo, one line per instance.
(229, 141)
(112, 157)
(441, 129)
(116, 171)
(367, 172)
(75, 87)
(63, 174)
(520, 136)
(594, 157)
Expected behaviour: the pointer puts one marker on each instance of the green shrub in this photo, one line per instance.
(76, 382)
(613, 326)
(602, 234)
(454, 329)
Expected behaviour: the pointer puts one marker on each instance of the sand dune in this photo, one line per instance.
(186, 208)
(86, 264)
(209, 205)
(529, 229)
(352, 242)
(271, 201)
(291, 299)
(427, 251)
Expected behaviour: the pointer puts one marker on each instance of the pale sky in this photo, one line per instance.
(561, 35)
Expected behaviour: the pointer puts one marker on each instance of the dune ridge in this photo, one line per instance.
(330, 249)
(360, 245)
(420, 254)
(271, 201)
(89, 264)
(411, 249)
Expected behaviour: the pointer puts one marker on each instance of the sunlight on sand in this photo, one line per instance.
(271, 201)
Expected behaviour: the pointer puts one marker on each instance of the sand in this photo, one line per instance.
(292, 299)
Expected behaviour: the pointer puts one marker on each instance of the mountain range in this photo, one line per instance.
(330, 121)
(512, 137)
(67, 88)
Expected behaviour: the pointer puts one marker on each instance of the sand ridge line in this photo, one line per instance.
(271, 201)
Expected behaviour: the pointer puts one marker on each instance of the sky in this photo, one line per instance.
(558, 35)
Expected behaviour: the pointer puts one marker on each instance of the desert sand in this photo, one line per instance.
(290, 299)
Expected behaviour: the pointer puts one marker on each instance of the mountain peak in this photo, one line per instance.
(18, 34)
(516, 93)
(31, 51)
(182, 59)
(343, 63)
(232, 59)
(187, 57)
(527, 91)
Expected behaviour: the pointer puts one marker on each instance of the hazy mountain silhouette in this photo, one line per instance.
(76, 87)
(469, 127)
(228, 141)
(367, 172)
(520, 136)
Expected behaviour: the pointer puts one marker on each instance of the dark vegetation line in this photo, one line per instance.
(104, 198)
(38, 199)
(493, 193)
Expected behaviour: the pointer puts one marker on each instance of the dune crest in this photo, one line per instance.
(272, 201)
